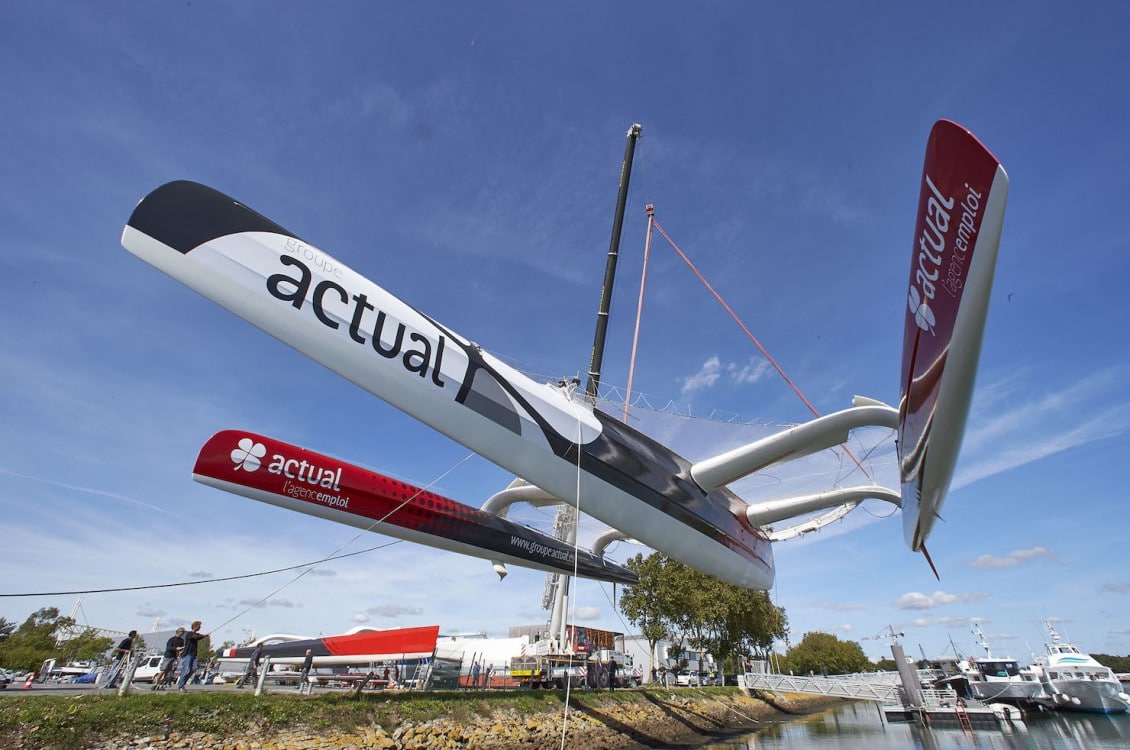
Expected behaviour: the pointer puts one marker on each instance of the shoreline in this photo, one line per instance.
(621, 720)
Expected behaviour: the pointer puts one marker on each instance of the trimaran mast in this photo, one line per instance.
(566, 522)
(610, 267)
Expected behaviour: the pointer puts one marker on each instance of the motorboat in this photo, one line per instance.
(991, 679)
(1075, 681)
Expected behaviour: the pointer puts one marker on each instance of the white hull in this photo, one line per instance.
(1097, 696)
(1076, 681)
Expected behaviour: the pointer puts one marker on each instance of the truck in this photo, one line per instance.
(663, 661)
(548, 672)
(696, 668)
(627, 673)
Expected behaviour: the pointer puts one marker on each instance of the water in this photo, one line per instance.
(859, 725)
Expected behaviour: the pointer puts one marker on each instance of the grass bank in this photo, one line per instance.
(630, 718)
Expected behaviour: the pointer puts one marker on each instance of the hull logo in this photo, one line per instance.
(931, 246)
(303, 479)
(246, 456)
(416, 355)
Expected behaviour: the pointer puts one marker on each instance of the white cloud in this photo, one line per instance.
(1011, 560)
(1084, 412)
(946, 622)
(1121, 587)
(285, 603)
(706, 376)
(914, 600)
(918, 600)
(749, 373)
(393, 610)
(838, 607)
(713, 369)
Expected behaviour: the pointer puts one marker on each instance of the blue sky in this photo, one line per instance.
(465, 157)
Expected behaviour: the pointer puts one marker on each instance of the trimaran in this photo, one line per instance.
(552, 436)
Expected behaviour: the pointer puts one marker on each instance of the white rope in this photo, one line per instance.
(342, 546)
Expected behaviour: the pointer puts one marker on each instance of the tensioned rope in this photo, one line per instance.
(639, 310)
(340, 547)
(203, 580)
(652, 222)
(310, 566)
(576, 562)
(734, 315)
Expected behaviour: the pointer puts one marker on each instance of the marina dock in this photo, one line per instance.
(885, 689)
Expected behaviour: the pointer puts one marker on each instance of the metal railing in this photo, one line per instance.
(871, 686)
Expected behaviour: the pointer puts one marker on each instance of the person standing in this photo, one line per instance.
(118, 656)
(307, 665)
(612, 665)
(188, 655)
(168, 660)
(475, 675)
(252, 670)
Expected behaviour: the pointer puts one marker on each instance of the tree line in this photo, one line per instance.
(46, 634)
(676, 603)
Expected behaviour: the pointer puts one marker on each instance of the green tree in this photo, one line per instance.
(6, 628)
(886, 664)
(1117, 663)
(644, 604)
(34, 640)
(674, 601)
(749, 623)
(86, 645)
(204, 650)
(823, 653)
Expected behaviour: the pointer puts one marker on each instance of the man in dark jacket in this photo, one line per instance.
(188, 655)
(251, 673)
(168, 660)
(118, 658)
(307, 665)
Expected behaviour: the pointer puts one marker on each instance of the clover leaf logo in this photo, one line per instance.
(247, 455)
(923, 315)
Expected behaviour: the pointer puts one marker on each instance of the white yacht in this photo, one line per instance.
(1074, 681)
(993, 680)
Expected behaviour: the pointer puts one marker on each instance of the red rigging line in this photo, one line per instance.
(653, 222)
(728, 309)
(639, 309)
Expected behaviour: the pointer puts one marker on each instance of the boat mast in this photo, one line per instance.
(610, 268)
(566, 522)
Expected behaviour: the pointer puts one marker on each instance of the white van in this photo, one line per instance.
(148, 668)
